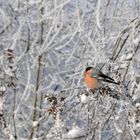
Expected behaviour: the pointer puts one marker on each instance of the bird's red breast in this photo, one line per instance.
(91, 82)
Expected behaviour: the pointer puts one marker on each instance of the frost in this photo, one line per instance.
(137, 105)
(136, 41)
(35, 123)
(76, 132)
(117, 128)
(2, 88)
(98, 14)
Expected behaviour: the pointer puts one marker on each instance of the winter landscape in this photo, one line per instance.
(45, 47)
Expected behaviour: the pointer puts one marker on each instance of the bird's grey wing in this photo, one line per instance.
(106, 78)
(109, 81)
(95, 73)
(102, 77)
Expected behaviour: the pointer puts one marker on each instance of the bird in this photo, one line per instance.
(94, 78)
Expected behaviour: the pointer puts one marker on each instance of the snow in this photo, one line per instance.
(76, 132)
(84, 98)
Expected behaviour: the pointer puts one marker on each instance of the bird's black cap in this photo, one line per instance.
(88, 68)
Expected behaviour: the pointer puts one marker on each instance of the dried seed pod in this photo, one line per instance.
(10, 54)
(62, 99)
(52, 110)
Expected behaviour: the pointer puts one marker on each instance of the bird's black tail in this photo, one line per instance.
(108, 79)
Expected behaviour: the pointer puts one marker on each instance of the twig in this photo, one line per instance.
(35, 97)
